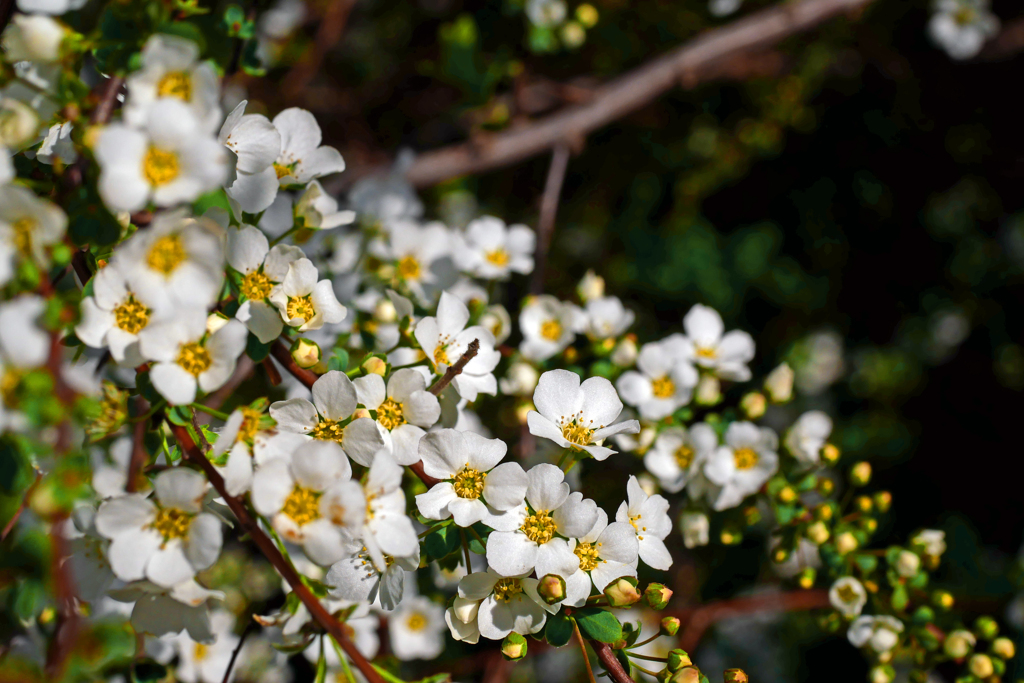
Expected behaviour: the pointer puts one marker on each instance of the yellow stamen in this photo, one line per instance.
(551, 330)
(745, 458)
(588, 554)
(498, 257)
(194, 358)
(302, 505)
(131, 316)
(300, 307)
(441, 356)
(175, 84)
(390, 414)
(506, 589)
(539, 527)
(663, 387)
(469, 483)
(256, 286)
(409, 268)
(22, 237)
(577, 434)
(171, 523)
(416, 622)
(166, 254)
(328, 430)
(160, 166)
(684, 457)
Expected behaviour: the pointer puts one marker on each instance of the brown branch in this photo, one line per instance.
(6, 12)
(243, 371)
(138, 457)
(66, 633)
(687, 65)
(583, 650)
(283, 356)
(548, 212)
(611, 664)
(328, 34)
(238, 648)
(273, 555)
(455, 370)
(108, 99)
(21, 506)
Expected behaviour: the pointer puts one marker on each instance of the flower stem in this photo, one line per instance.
(210, 411)
(583, 649)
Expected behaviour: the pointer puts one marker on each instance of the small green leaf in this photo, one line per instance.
(558, 630)
(900, 598)
(339, 361)
(256, 349)
(180, 415)
(599, 624)
(440, 543)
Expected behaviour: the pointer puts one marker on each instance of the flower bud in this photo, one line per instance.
(305, 353)
(664, 676)
(33, 38)
(787, 494)
(735, 676)
(497, 321)
(677, 659)
(520, 380)
(657, 595)
(864, 504)
(709, 391)
(385, 311)
(690, 674)
(830, 454)
(883, 501)
(18, 123)
(986, 627)
(807, 577)
(592, 284)
(846, 543)
(981, 666)
(375, 365)
(215, 321)
(513, 647)
(753, 405)
(587, 15)
(730, 536)
(826, 486)
(551, 588)
(779, 383)
(959, 643)
(881, 674)
(943, 599)
(622, 593)
(465, 610)
(1003, 647)
(818, 533)
(860, 474)
(670, 627)
(625, 353)
(908, 563)
(695, 528)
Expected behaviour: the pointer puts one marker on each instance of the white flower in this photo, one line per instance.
(445, 338)
(546, 13)
(461, 619)
(57, 145)
(18, 123)
(403, 411)
(497, 321)
(249, 443)
(206, 663)
(416, 251)
(746, 461)
(358, 579)
(159, 610)
(6, 168)
(417, 629)
(474, 487)
(302, 158)
(32, 38)
(648, 515)
(578, 416)
(848, 596)
(678, 455)
(494, 251)
(931, 540)
(548, 326)
(520, 380)
(361, 625)
(168, 159)
(114, 316)
(171, 70)
(304, 302)
(553, 516)
(166, 541)
(176, 260)
(504, 605)
(607, 552)
(388, 531)
(187, 358)
(334, 401)
(808, 436)
(961, 27)
(256, 144)
(311, 499)
(705, 345)
(663, 384)
(262, 269)
(50, 6)
(28, 227)
(695, 527)
(779, 383)
(23, 343)
(881, 633)
(110, 470)
(606, 317)
(319, 210)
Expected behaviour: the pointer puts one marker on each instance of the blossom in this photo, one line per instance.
(171, 70)
(808, 436)
(357, 578)
(326, 418)
(505, 604)
(302, 158)
(319, 210)
(387, 531)
(648, 515)
(705, 345)
(741, 466)
(932, 541)
(256, 144)
(168, 159)
(848, 596)
(20, 123)
(304, 302)
(494, 251)
(416, 251)
(546, 13)
(445, 338)
(880, 633)
(695, 527)
(678, 455)
(33, 38)
(461, 619)
(663, 384)
(50, 6)
(161, 610)
(200, 662)
(28, 226)
(166, 541)
(187, 358)
(548, 326)
(520, 380)
(110, 470)
(416, 629)
(553, 516)
(607, 552)
(262, 269)
(57, 145)
(576, 415)
(961, 27)
(403, 410)
(23, 343)
(114, 316)
(473, 487)
(249, 442)
(605, 317)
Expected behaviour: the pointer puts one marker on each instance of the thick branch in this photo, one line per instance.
(270, 551)
(455, 370)
(611, 664)
(687, 65)
(280, 352)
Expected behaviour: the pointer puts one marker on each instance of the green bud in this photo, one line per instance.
(657, 595)
(622, 592)
(305, 353)
(736, 676)
(670, 626)
(677, 659)
(942, 599)
(690, 674)
(883, 501)
(1003, 647)
(981, 666)
(986, 627)
(860, 474)
(551, 588)
(513, 648)
(663, 676)
(882, 674)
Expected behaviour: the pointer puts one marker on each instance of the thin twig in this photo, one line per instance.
(328, 34)
(610, 662)
(199, 433)
(249, 624)
(108, 99)
(21, 506)
(243, 371)
(66, 632)
(583, 649)
(548, 213)
(272, 374)
(283, 356)
(138, 457)
(455, 370)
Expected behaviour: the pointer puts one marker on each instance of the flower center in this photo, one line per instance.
(964, 16)
(256, 286)
(707, 352)
(194, 358)
(441, 356)
(171, 523)
(390, 414)
(498, 257)
(588, 554)
(663, 387)
(175, 84)
(250, 425)
(506, 589)
(409, 268)
(22, 236)
(131, 316)
(283, 170)
(551, 330)
(469, 483)
(577, 434)
(847, 594)
(302, 505)
(539, 527)
(745, 458)
(634, 521)
(329, 430)
(684, 457)
(160, 166)
(416, 621)
(200, 652)
(300, 307)
(166, 254)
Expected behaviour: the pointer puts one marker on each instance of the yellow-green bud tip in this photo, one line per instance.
(622, 592)
(551, 588)
(657, 595)
(513, 647)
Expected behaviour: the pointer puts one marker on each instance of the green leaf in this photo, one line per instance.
(180, 415)
(148, 671)
(339, 361)
(256, 349)
(558, 630)
(599, 624)
(866, 563)
(146, 388)
(321, 665)
(442, 542)
(900, 598)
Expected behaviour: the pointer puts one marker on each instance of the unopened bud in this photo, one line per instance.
(807, 577)
(625, 352)
(385, 311)
(846, 543)
(986, 627)
(677, 659)
(592, 284)
(826, 486)
(730, 536)
(959, 643)
(305, 353)
(657, 595)
(670, 626)
(787, 494)
(587, 15)
(1003, 647)
(779, 383)
(860, 474)
(622, 593)
(864, 504)
(981, 666)
(824, 512)
(375, 365)
(908, 564)
(215, 321)
(689, 674)
(551, 588)
(735, 676)
(830, 454)
(943, 599)
(498, 322)
(513, 647)
(709, 391)
(882, 674)
(818, 533)
(780, 555)
(883, 501)
(753, 405)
